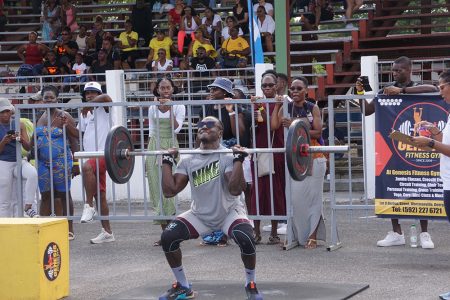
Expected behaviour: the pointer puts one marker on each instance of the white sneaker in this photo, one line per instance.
(425, 241)
(350, 26)
(282, 229)
(88, 214)
(392, 239)
(103, 237)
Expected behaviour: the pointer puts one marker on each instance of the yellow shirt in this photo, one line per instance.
(155, 44)
(123, 39)
(238, 44)
(208, 47)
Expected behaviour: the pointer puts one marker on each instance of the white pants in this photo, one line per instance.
(6, 188)
(29, 182)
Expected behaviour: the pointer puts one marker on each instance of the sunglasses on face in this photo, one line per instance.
(208, 124)
(266, 85)
(296, 88)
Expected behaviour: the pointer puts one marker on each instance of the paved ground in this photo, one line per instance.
(101, 271)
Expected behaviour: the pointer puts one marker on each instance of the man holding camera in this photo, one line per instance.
(401, 72)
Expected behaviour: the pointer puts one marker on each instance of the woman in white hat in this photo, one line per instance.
(9, 136)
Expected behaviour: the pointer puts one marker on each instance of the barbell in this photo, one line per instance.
(119, 152)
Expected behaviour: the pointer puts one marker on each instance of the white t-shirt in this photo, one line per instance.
(445, 160)
(179, 112)
(81, 43)
(91, 140)
(226, 33)
(216, 20)
(168, 63)
(79, 69)
(268, 25)
(267, 6)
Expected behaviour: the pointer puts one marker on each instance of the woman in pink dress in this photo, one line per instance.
(69, 15)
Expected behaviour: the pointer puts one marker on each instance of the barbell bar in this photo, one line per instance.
(120, 156)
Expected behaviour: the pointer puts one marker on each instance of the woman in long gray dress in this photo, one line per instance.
(309, 225)
(165, 122)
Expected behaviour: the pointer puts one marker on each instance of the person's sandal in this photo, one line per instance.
(157, 243)
(274, 240)
(257, 239)
(71, 236)
(311, 244)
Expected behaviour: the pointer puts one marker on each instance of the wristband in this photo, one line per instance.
(431, 144)
(360, 92)
(239, 156)
(75, 163)
(231, 113)
(261, 108)
(168, 159)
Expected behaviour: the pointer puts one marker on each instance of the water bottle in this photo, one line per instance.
(413, 236)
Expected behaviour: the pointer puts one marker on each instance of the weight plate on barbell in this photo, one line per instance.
(120, 168)
(298, 162)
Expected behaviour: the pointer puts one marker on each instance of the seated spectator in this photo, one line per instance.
(32, 56)
(213, 23)
(321, 10)
(161, 65)
(100, 66)
(51, 20)
(268, 7)
(97, 33)
(158, 42)
(175, 18)
(79, 68)
(266, 26)
(352, 6)
(69, 15)
(66, 48)
(52, 67)
(201, 64)
(128, 45)
(81, 39)
(234, 51)
(190, 21)
(240, 12)
(230, 22)
(112, 53)
(200, 41)
(141, 19)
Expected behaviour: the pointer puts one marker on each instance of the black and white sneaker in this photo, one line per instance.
(252, 292)
(31, 213)
(178, 292)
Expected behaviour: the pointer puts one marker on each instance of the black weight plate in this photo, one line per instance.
(119, 168)
(297, 163)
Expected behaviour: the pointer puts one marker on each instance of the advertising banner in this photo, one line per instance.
(407, 182)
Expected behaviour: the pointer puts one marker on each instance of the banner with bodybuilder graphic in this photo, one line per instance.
(407, 180)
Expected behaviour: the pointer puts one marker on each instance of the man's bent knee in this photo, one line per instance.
(172, 235)
(242, 234)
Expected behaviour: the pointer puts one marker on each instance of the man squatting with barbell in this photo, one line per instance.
(217, 181)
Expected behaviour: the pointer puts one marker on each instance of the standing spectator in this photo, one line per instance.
(267, 6)
(100, 66)
(81, 39)
(190, 21)
(51, 20)
(175, 18)
(158, 42)
(201, 64)
(307, 200)
(240, 12)
(234, 51)
(36, 6)
(56, 130)
(272, 139)
(95, 125)
(266, 26)
(352, 6)
(165, 122)
(230, 22)
(8, 158)
(282, 83)
(128, 44)
(32, 56)
(213, 23)
(112, 53)
(66, 48)
(69, 15)
(141, 19)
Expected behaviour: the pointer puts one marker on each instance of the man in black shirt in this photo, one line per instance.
(100, 66)
(66, 48)
(201, 64)
(141, 18)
